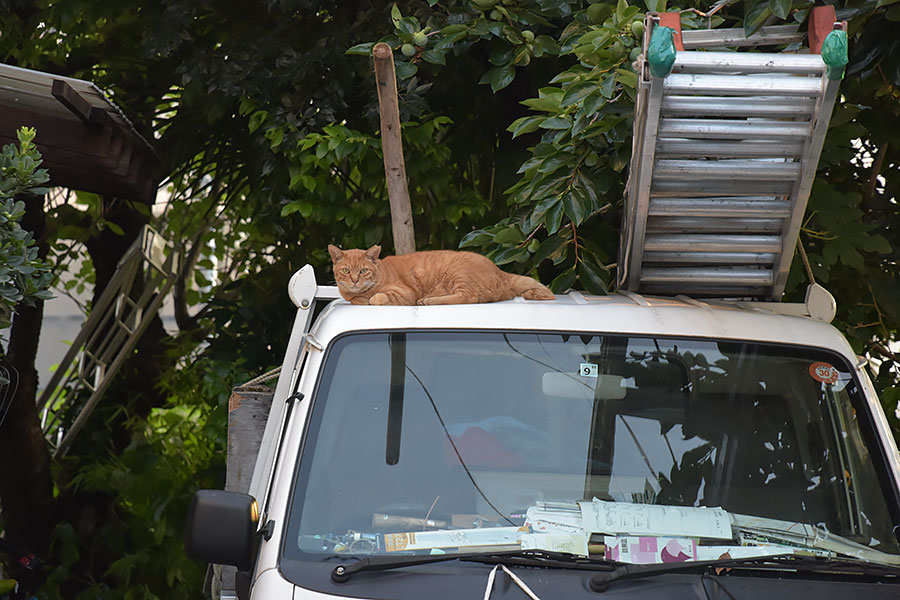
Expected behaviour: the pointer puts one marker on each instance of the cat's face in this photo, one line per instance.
(355, 271)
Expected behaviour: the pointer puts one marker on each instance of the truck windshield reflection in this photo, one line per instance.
(636, 449)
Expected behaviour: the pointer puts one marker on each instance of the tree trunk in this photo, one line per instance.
(26, 487)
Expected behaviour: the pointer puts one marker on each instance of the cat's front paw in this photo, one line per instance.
(379, 299)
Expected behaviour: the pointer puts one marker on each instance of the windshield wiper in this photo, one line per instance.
(546, 558)
(615, 571)
(808, 536)
(793, 562)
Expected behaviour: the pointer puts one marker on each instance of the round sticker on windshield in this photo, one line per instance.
(822, 371)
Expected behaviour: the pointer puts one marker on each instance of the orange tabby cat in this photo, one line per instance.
(431, 277)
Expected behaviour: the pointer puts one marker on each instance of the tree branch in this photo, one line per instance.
(186, 323)
(876, 170)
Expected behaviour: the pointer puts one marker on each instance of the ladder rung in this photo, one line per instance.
(663, 242)
(735, 37)
(720, 224)
(700, 170)
(720, 187)
(736, 149)
(737, 85)
(721, 275)
(747, 62)
(735, 106)
(705, 290)
(711, 258)
(720, 207)
(731, 129)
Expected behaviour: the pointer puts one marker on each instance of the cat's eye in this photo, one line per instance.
(363, 270)
(345, 270)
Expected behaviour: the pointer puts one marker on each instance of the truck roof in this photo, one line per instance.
(625, 313)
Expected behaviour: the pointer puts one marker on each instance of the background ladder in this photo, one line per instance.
(726, 145)
(107, 338)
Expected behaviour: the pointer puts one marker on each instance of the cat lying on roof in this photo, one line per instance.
(430, 277)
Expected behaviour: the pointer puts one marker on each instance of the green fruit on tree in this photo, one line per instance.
(408, 50)
(635, 52)
(419, 38)
(618, 50)
(637, 29)
(528, 35)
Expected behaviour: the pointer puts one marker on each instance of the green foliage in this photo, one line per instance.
(176, 450)
(24, 276)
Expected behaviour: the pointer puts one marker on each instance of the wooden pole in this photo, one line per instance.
(392, 148)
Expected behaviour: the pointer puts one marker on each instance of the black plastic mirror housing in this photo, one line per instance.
(221, 527)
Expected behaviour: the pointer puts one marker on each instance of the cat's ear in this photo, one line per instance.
(335, 253)
(373, 252)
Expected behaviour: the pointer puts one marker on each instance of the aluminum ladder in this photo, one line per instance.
(107, 338)
(726, 145)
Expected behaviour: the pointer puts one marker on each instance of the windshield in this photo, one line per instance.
(443, 442)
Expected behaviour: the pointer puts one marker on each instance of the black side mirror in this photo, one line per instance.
(221, 527)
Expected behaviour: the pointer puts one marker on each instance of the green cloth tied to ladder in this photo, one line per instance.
(661, 51)
(834, 54)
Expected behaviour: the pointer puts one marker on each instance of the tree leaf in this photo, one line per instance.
(501, 77)
(525, 125)
(593, 278)
(548, 247)
(479, 237)
(556, 123)
(536, 216)
(780, 8)
(510, 235)
(755, 14)
(553, 218)
(256, 119)
(563, 282)
(608, 87)
(405, 69)
(878, 243)
(435, 57)
(575, 206)
(621, 7)
(577, 92)
(510, 254)
(364, 49)
(627, 78)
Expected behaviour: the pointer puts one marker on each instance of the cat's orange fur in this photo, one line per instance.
(430, 277)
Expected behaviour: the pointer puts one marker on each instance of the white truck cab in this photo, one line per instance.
(585, 444)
